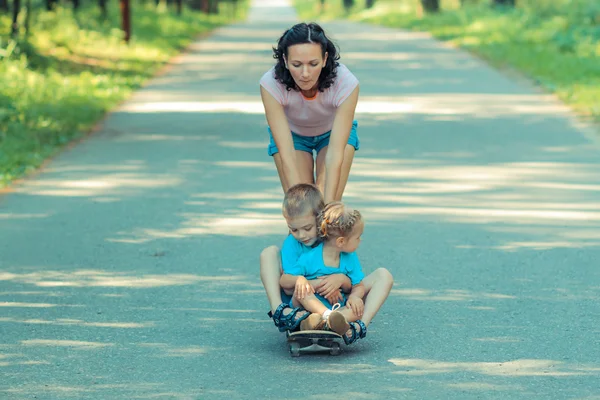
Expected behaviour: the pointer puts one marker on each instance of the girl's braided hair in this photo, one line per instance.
(337, 220)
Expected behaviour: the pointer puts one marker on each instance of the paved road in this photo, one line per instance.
(129, 267)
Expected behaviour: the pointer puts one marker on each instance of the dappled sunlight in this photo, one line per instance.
(447, 295)
(514, 368)
(27, 305)
(76, 322)
(75, 344)
(97, 278)
(168, 350)
(23, 216)
(480, 386)
(233, 46)
(154, 137)
(461, 104)
(237, 223)
(117, 183)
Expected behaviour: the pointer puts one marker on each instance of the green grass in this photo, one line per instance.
(72, 69)
(554, 42)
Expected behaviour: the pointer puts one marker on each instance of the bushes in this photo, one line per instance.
(76, 67)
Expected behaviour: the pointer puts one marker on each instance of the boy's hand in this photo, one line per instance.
(356, 305)
(303, 288)
(330, 285)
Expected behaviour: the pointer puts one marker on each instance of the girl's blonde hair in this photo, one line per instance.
(337, 220)
(301, 199)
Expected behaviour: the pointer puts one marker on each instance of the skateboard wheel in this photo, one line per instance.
(335, 349)
(295, 349)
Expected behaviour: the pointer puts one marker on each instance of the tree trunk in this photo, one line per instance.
(125, 19)
(103, 10)
(50, 4)
(14, 30)
(4, 5)
(28, 17)
(213, 6)
(431, 5)
(76, 5)
(369, 3)
(348, 4)
(179, 6)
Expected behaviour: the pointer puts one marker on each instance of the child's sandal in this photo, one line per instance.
(287, 322)
(355, 334)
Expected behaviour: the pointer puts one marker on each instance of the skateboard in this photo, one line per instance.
(314, 341)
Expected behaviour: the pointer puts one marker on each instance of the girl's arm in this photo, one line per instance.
(358, 290)
(342, 124)
(282, 136)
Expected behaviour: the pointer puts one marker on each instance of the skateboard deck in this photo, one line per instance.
(313, 342)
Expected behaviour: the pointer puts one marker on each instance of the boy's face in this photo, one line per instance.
(303, 228)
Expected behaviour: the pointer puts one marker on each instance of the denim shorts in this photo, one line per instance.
(310, 143)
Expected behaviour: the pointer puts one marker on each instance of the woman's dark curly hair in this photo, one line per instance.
(300, 34)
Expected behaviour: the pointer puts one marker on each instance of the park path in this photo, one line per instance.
(129, 266)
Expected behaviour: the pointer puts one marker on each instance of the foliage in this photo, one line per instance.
(74, 67)
(555, 42)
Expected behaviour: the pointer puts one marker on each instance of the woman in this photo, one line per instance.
(310, 100)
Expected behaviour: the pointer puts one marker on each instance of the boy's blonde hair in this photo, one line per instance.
(337, 220)
(301, 199)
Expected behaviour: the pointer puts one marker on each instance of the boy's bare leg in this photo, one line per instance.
(270, 273)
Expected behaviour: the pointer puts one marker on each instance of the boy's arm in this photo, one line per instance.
(288, 282)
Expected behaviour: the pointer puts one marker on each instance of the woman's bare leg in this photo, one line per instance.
(344, 172)
(304, 165)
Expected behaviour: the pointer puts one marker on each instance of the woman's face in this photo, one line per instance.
(305, 63)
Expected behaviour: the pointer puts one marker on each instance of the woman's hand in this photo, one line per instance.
(303, 288)
(356, 305)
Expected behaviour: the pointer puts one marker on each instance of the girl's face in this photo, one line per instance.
(305, 62)
(303, 228)
(352, 241)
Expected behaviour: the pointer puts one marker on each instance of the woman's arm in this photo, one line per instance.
(342, 124)
(282, 135)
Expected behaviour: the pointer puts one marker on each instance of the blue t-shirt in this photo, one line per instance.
(291, 252)
(311, 266)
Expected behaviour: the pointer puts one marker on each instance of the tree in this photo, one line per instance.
(103, 10)
(4, 5)
(431, 5)
(125, 19)
(348, 4)
(14, 29)
(509, 3)
(369, 3)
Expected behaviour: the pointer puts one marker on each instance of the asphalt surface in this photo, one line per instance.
(129, 265)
